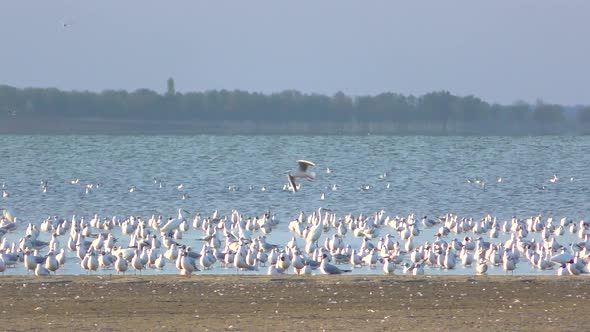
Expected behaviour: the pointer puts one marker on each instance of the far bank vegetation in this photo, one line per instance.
(39, 110)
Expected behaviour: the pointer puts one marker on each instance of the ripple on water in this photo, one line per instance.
(427, 176)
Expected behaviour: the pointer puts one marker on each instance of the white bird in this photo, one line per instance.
(121, 264)
(509, 264)
(51, 262)
(61, 257)
(417, 269)
(365, 187)
(105, 260)
(41, 271)
(262, 257)
(205, 261)
(283, 262)
(302, 172)
(187, 264)
(466, 258)
(449, 260)
(273, 270)
(314, 234)
(137, 263)
(241, 264)
(172, 253)
(92, 262)
(173, 223)
(31, 260)
(355, 259)
(563, 258)
(371, 258)
(160, 262)
(406, 268)
(388, 266)
(306, 270)
(481, 267)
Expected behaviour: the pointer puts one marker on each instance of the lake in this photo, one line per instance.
(423, 175)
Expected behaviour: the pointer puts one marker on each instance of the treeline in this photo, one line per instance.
(293, 112)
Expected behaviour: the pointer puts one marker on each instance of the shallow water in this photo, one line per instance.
(427, 176)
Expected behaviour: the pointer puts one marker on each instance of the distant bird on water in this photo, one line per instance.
(540, 187)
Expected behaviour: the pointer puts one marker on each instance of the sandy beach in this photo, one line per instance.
(289, 303)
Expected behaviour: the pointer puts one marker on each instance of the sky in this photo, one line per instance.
(501, 51)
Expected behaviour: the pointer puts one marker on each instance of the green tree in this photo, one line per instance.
(583, 115)
(548, 114)
(583, 120)
(435, 112)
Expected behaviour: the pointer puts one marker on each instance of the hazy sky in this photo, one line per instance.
(500, 51)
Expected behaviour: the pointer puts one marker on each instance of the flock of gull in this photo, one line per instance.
(321, 241)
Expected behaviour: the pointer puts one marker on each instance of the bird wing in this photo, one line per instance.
(303, 164)
(331, 269)
(169, 226)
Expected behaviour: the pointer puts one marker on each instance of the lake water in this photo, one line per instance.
(427, 176)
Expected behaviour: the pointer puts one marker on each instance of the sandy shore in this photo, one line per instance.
(316, 303)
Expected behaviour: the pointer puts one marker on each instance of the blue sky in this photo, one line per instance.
(501, 51)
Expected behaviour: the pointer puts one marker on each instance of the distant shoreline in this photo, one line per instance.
(31, 111)
(118, 127)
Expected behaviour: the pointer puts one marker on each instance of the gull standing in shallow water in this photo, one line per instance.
(41, 271)
(172, 224)
(302, 172)
(327, 268)
(121, 264)
(481, 267)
